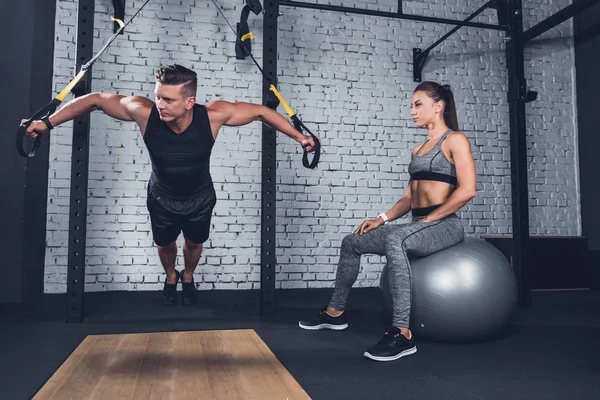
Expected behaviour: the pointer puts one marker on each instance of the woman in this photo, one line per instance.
(443, 180)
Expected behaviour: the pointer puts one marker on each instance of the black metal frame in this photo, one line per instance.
(79, 170)
(518, 96)
(36, 172)
(558, 18)
(420, 56)
(510, 12)
(510, 19)
(386, 14)
(517, 93)
(268, 260)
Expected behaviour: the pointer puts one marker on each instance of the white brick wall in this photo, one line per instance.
(350, 78)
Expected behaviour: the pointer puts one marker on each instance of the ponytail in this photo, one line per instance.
(443, 93)
(450, 117)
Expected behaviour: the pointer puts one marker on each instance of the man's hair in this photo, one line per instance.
(176, 75)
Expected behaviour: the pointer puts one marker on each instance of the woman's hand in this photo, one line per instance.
(368, 225)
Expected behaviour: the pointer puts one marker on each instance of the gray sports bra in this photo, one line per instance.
(433, 165)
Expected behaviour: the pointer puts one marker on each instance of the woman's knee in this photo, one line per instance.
(350, 241)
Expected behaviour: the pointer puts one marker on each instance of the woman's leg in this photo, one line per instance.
(417, 239)
(353, 247)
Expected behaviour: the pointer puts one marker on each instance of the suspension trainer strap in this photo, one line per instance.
(298, 124)
(22, 142)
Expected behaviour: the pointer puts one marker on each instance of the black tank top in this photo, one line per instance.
(180, 162)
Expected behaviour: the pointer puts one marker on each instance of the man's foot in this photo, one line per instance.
(169, 292)
(392, 346)
(189, 292)
(325, 321)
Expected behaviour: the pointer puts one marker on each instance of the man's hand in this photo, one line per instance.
(308, 143)
(35, 128)
(368, 225)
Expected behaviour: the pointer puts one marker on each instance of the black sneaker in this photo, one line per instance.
(392, 346)
(325, 321)
(188, 292)
(169, 292)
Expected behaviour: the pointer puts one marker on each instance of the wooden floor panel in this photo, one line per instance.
(220, 365)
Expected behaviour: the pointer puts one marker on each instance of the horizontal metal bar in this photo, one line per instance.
(470, 17)
(385, 14)
(558, 18)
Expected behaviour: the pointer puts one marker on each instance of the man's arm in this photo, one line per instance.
(238, 114)
(124, 108)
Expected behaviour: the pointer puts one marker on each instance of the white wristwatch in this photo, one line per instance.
(384, 218)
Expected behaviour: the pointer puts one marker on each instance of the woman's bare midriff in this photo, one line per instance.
(429, 193)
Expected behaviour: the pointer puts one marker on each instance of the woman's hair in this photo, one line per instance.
(439, 92)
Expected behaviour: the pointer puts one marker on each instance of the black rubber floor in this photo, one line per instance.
(550, 351)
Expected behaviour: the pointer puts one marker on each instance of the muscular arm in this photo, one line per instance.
(238, 114)
(460, 149)
(124, 108)
(402, 207)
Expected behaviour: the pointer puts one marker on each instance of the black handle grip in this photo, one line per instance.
(315, 161)
(22, 141)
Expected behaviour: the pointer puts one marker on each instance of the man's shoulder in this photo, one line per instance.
(216, 105)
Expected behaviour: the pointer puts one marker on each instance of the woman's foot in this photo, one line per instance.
(392, 346)
(324, 320)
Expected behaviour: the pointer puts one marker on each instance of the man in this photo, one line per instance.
(179, 135)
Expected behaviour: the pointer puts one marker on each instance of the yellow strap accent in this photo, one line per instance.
(248, 35)
(118, 21)
(61, 96)
(283, 103)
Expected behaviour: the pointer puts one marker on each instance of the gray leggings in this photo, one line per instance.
(397, 243)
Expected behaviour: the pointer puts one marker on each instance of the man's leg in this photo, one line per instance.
(168, 258)
(191, 256)
(165, 232)
(196, 231)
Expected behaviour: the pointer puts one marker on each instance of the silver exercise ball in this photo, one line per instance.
(466, 292)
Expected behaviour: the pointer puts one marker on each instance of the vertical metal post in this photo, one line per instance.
(517, 94)
(36, 174)
(79, 171)
(269, 165)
